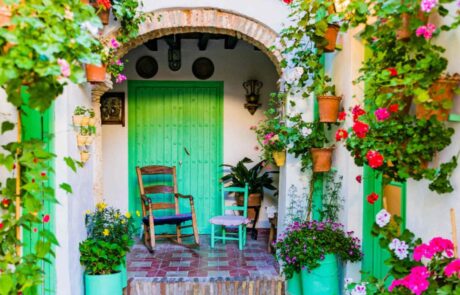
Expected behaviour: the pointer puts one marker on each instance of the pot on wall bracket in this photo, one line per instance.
(252, 88)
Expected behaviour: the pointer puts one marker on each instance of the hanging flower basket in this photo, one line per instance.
(76, 120)
(322, 159)
(328, 106)
(82, 139)
(84, 121)
(280, 158)
(404, 32)
(84, 156)
(331, 36)
(442, 93)
(95, 73)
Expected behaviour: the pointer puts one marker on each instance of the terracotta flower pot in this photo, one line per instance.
(95, 73)
(399, 97)
(254, 200)
(76, 120)
(84, 121)
(440, 92)
(92, 122)
(84, 156)
(328, 106)
(81, 139)
(104, 14)
(280, 158)
(331, 37)
(322, 159)
(404, 32)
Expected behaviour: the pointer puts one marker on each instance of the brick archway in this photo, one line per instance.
(170, 21)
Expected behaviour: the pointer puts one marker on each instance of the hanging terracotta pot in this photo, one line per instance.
(280, 158)
(404, 32)
(331, 37)
(104, 14)
(76, 120)
(84, 121)
(399, 97)
(95, 73)
(322, 159)
(441, 91)
(82, 139)
(5, 14)
(84, 156)
(328, 106)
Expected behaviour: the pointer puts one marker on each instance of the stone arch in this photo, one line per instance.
(170, 21)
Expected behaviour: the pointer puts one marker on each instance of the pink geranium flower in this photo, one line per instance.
(120, 78)
(416, 281)
(382, 114)
(452, 268)
(114, 43)
(65, 67)
(426, 31)
(428, 5)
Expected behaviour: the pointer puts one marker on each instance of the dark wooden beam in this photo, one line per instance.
(203, 41)
(173, 41)
(152, 44)
(230, 42)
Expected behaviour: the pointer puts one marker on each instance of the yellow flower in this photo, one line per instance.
(138, 213)
(88, 212)
(117, 215)
(123, 221)
(101, 206)
(106, 232)
(128, 215)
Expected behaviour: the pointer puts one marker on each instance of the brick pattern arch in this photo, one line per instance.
(170, 21)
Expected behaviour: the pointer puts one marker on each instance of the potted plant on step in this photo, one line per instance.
(256, 179)
(311, 252)
(110, 225)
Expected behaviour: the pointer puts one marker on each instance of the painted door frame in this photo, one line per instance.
(132, 182)
(40, 126)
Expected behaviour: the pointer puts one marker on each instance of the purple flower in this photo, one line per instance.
(120, 78)
(114, 43)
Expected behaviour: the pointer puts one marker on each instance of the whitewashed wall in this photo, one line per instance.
(233, 67)
(428, 214)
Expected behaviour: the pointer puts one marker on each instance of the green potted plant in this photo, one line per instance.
(309, 141)
(101, 260)
(102, 8)
(78, 115)
(92, 119)
(110, 225)
(328, 101)
(82, 136)
(257, 181)
(310, 252)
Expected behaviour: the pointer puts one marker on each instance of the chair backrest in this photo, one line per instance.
(236, 190)
(158, 187)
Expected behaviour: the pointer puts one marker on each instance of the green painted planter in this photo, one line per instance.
(294, 285)
(103, 284)
(322, 280)
(124, 274)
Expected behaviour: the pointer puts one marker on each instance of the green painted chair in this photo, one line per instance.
(231, 221)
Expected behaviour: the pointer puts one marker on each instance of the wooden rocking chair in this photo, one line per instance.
(148, 218)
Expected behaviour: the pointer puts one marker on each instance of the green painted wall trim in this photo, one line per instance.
(454, 117)
(40, 126)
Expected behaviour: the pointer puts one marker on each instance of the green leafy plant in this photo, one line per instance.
(100, 257)
(332, 202)
(240, 175)
(128, 13)
(79, 111)
(304, 244)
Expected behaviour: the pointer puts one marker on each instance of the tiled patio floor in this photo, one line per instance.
(171, 260)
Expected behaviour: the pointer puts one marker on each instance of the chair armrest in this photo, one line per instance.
(183, 196)
(147, 201)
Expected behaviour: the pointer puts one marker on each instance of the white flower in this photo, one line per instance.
(382, 218)
(399, 248)
(348, 281)
(271, 211)
(306, 131)
(92, 29)
(359, 290)
(293, 75)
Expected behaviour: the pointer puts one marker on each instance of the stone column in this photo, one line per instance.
(96, 92)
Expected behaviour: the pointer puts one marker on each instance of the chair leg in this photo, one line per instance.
(147, 239)
(245, 235)
(240, 237)
(212, 235)
(178, 234)
(223, 235)
(195, 230)
(152, 232)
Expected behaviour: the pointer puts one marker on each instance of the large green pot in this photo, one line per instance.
(322, 280)
(103, 284)
(294, 285)
(124, 273)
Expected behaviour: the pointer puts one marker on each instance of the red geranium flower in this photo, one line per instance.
(43, 174)
(359, 178)
(342, 116)
(374, 159)
(5, 203)
(46, 218)
(393, 72)
(393, 108)
(1, 225)
(35, 160)
(360, 129)
(104, 3)
(341, 134)
(357, 112)
(372, 198)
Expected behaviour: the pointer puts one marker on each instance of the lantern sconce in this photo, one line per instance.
(252, 95)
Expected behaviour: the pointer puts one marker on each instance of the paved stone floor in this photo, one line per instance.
(175, 261)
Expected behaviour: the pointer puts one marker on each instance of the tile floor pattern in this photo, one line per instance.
(172, 260)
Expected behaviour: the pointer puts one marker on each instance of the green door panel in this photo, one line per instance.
(178, 124)
(374, 255)
(39, 126)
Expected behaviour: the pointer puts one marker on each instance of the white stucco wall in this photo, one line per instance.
(233, 67)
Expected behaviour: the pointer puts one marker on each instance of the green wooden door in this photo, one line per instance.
(392, 197)
(178, 124)
(39, 126)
